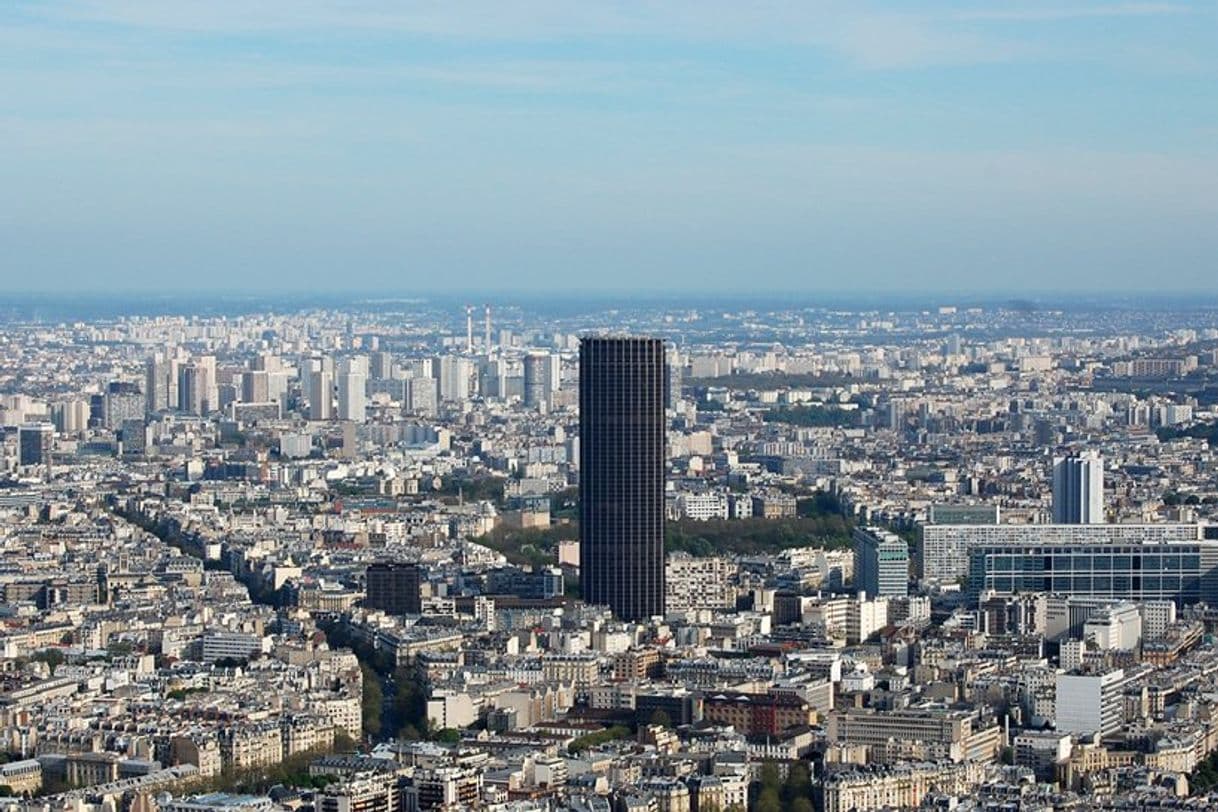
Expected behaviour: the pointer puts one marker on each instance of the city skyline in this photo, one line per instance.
(536, 406)
(370, 546)
(541, 146)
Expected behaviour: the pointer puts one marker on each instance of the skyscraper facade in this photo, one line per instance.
(621, 458)
(454, 374)
(160, 377)
(1138, 570)
(34, 443)
(352, 389)
(190, 389)
(674, 380)
(124, 401)
(321, 396)
(881, 563)
(256, 386)
(393, 587)
(536, 379)
(1078, 489)
(208, 389)
(421, 396)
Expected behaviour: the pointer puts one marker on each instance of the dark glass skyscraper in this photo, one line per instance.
(621, 469)
(393, 587)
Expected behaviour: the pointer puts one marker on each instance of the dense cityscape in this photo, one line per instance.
(401, 554)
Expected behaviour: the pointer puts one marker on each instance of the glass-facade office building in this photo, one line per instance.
(881, 563)
(943, 552)
(621, 474)
(1184, 572)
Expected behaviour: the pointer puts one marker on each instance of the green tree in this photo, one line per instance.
(812, 415)
(410, 701)
(53, 657)
(343, 743)
(769, 801)
(770, 779)
(590, 740)
(373, 702)
(119, 648)
(797, 785)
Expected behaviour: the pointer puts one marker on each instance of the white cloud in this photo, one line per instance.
(1057, 13)
(891, 41)
(869, 39)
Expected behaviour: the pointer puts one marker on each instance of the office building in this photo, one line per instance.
(699, 583)
(1062, 617)
(1043, 751)
(621, 460)
(266, 362)
(394, 587)
(944, 550)
(321, 395)
(491, 372)
(135, 436)
(1078, 489)
(1117, 627)
(963, 514)
(160, 376)
(228, 645)
(1157, 616)
(256, 386)
(672, 394)
(422, 396)
(351, 397)
(454, 376)
(935, 733)
(1182, 572)
(124, 401)
(294, 445)
(352, 390)
(541, 372)
(197, 392)
(70, 416)
(881, 563)
(1090, 704)
(209, 383)
(34, 443)
(381, 366)
(190, 389)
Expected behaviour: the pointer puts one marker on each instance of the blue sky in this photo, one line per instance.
(651, 147)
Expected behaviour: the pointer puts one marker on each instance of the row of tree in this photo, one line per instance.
(773, 794)
(813, 416)
(394, 701)
(536, 548)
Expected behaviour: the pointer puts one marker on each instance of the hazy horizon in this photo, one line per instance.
(820, 148)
